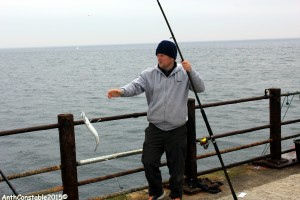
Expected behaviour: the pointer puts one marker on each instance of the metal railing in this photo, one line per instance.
(69, 163)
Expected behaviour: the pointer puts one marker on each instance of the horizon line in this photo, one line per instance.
(121, 44)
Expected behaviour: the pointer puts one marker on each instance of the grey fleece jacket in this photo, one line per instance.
(166, 96)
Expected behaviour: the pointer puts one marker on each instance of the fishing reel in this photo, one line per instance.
(204, 142)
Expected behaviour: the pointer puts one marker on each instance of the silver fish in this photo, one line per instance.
(91, 128)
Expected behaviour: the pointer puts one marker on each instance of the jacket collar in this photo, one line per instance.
(168, 73)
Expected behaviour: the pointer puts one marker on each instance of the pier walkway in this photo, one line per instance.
(256, 182)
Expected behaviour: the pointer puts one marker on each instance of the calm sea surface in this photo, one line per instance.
(37, 84)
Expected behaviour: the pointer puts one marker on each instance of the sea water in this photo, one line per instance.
(37, 84)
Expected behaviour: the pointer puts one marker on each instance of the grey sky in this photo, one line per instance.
(34, 23)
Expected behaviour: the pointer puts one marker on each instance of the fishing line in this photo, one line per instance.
(265, 150)
(283, 101)
(288, 103)
(201, 109)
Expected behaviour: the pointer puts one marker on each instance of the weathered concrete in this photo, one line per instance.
(256, 181)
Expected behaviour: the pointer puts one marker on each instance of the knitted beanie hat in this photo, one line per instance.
(167, 48)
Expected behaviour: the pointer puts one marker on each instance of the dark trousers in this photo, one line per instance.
(173, 143)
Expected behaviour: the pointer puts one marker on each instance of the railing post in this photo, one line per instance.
(275, 160)
(275, 123)
(68, 155)
(191, 161)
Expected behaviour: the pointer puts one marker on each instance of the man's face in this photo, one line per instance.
(164, 61)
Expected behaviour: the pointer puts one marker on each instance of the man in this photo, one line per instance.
(166, 86)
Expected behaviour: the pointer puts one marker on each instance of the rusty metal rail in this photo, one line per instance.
(29, 129)
(222, 103)
(119, 155)
(140, 169)
(119, 117)
(136, 170)
(66, 127)
(134, 115)
(33, 172)
(78, 122)
(290, 122)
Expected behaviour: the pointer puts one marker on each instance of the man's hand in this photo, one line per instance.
(186, 65)
(114, 93)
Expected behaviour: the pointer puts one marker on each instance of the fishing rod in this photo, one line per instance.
(201, 109)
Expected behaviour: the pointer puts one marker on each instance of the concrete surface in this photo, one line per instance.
(255, 181)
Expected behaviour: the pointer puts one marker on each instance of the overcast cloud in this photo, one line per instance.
(35, 23)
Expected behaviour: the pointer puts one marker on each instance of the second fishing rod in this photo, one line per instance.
(201, 109)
